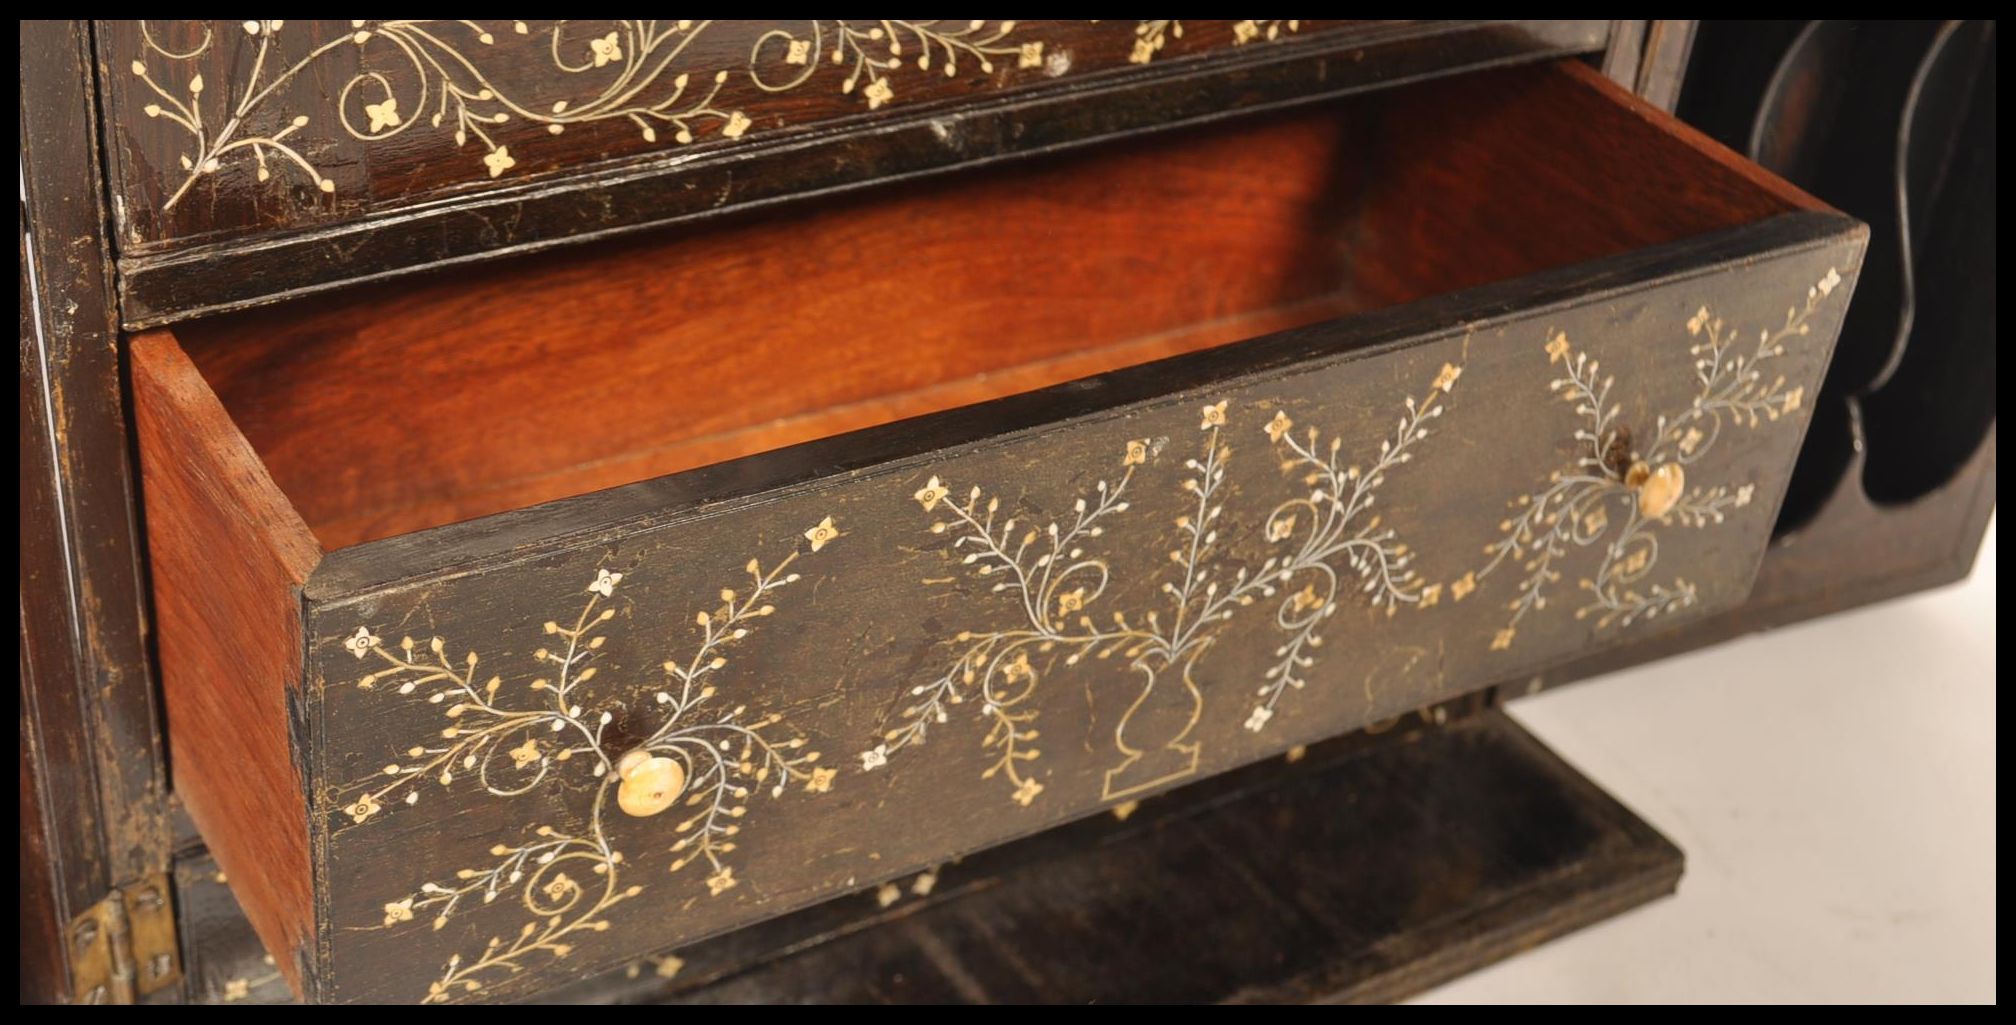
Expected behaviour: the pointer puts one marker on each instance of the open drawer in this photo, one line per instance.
(524, 621)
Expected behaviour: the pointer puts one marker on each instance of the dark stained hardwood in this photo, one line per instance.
(1365, 869)
(1370, 875)
(229, 558)
(698, 525)
(264, 76)
(62, 846)
(1896, 482)
(1847, 537)
(84, 666)
(89, 712)
(44, 966)
(1894, 122)
(223, 961)
(1854, 553)
(416, 199)
(1928, 417)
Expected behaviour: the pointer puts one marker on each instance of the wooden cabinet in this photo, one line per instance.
(1449, 453)
(527, 601)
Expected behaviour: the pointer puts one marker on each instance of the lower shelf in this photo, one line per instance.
(1373, 867)
(1376, 868)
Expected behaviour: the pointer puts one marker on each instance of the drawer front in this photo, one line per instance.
(253, 160)
(860, 657)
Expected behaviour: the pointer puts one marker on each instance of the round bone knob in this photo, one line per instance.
(650, 783)
(1660, 489)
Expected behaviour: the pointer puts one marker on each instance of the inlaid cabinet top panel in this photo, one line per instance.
(234, 127)
(226, 132)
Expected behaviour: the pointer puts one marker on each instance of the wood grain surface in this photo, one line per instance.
(805, 323)
(510, 385)
(229, 558)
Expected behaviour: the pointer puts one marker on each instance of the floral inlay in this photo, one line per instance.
(1057, 578)
(637, 72)
(659, 77)
(1621, 490)
(509, 737)
(1336, 525)
(241, 987)
(1150, 37)
(872, 55)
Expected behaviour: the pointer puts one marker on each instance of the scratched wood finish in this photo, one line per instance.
(1384, 897)
(616, 90)
(897, 609)
(1854, 554)
(304, 157)
(879, 818)
(89, 716)
(223, 960)
(43, 936)
(466, 688)
(1370, 875)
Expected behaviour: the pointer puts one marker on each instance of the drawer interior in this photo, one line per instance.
(393, 407)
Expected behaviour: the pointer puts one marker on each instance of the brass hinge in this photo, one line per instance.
(123, 947)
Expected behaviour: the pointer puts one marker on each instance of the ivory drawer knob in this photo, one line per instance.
(1658, 489)
(650, 783)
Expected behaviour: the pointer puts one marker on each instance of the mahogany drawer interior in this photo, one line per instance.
(700, 345)
(274, 437)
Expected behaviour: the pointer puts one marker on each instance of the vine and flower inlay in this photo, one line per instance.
(1099, 633)
(1056, 578)
(508, 737)
(1620, 490)
(667, 80)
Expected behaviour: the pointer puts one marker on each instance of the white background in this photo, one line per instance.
(1833, 787)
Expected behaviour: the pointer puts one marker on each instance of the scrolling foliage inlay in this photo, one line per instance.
(1009, 633)
(1638, 486)
(510, 736)
(307, 101)
(1057, 578)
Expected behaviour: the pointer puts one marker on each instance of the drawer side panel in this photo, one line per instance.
(229, 558)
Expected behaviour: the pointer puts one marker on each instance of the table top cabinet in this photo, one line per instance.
(598, 486)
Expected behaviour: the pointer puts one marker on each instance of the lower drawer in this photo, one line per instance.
(517, 623)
